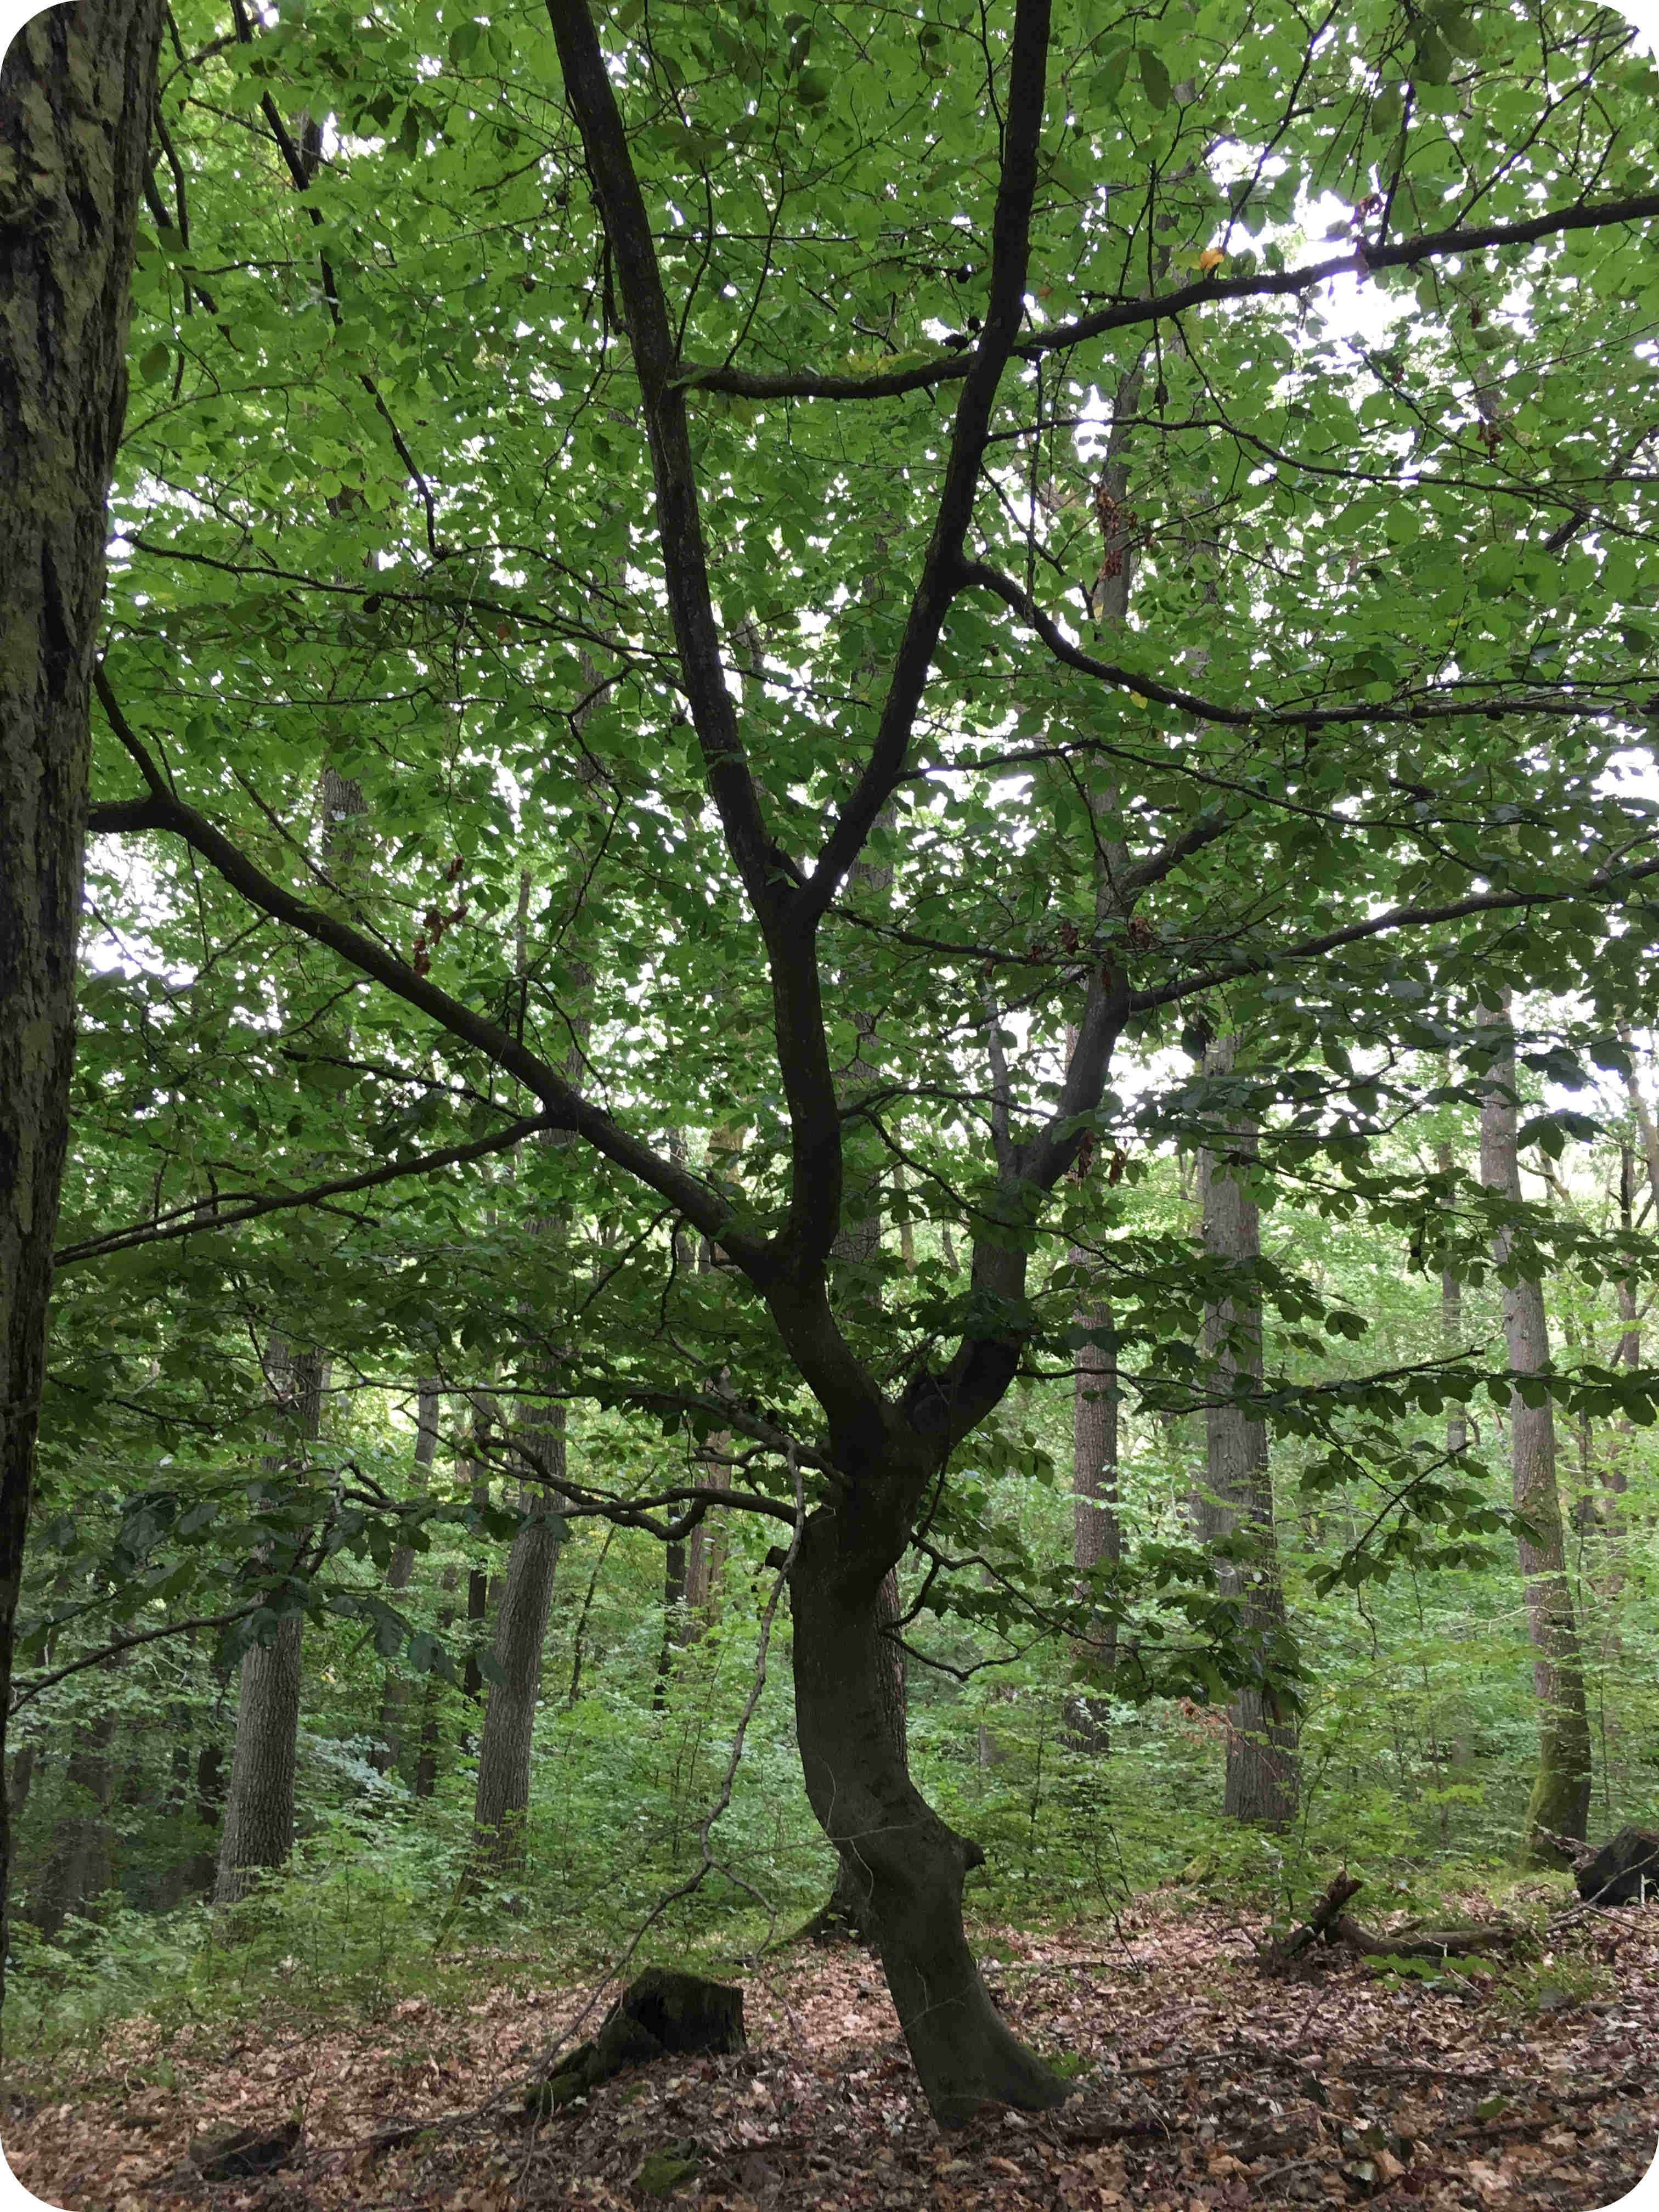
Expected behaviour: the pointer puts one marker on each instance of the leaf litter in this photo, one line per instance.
(1200, 2082)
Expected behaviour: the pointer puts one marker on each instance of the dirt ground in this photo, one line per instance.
(1203, 2082)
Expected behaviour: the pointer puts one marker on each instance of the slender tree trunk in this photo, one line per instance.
(1451, 1320)
(259, 1825)
(77, 89)
(22, 1775)
(394, 1697)
(426, 1758)
(1560, 1805)
(1096, 1531)
(80, 1863)
(1262, 1767)
(509, 1722)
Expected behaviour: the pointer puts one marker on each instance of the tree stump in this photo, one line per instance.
(1623, 1872)
(663, 2011)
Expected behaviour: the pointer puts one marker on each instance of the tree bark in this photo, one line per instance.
(510, 1723)
(1451, 1320)
(426, 1758)
(1096, 1531)
(1262, 1768)
(1559, 1804)
(77, 89)
(79, 1864)
(394, 1697)
(257, 1833)
(910, 1865)
(849, 1906)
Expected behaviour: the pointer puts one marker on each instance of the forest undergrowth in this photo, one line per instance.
(1203, 2079)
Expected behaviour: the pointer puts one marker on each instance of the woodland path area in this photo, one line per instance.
(1203, 2084)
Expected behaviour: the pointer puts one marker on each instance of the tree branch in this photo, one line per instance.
(1128, 314)
(197, 1224)
(564, 1107)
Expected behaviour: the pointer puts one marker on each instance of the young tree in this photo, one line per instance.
(661, 408)
(76, 91)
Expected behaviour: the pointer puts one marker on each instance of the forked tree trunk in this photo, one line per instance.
(911, 1864)
(77, 89)
(257, 1833)
(395, 1695)
(1262, 1767)
(1560, 1805)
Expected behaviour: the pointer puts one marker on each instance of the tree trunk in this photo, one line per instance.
(77, 89)
(509, 1721)
(1096, 1531)
(910, 1865)
(79, 1865)
(848, 1908)
(1560, 1805)
(394, 1697)
(674, 1603)
(259, 1825)
(1262, 1768)
(1451, 1321)
(426, 1758)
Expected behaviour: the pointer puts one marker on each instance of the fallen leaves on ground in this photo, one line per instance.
(1203, 2084)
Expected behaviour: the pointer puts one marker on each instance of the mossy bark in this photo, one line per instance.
(77, 89)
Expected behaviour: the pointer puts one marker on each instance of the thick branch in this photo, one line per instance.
(942, 569)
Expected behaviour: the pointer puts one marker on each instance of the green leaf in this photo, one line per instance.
(1155, 77)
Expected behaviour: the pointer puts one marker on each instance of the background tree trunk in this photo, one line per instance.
(426, 1758)
(1561, 1799)
(1096, 1531)
(509, 1722)
(1262, 1768)
(1451, 1320)
(80, 1863)
(394, 1697)
(259, 1824)
(77, 89)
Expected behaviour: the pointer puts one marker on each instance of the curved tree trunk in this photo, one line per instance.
(1559, 1804)
(77, 89)
(910, 1865)
(259, 1825)
(1262, 1768)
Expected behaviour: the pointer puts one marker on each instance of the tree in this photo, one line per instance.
(258, 1832)
(1236, 1511)
(77, 89)
(1560, 1805)
(726, 350)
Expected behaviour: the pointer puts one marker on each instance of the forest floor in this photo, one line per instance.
(1203, 2082)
